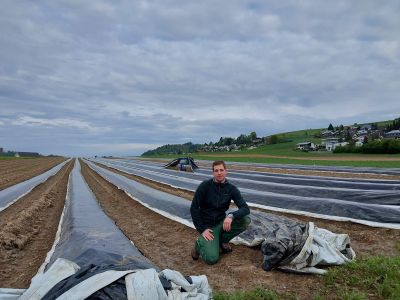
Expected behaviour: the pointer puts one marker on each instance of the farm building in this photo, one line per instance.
(306, 146)
(393, 134)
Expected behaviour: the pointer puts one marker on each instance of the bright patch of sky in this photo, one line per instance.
(122, 77)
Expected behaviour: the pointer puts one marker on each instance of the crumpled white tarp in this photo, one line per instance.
(322, 248)
(140, 284)
(318, 247)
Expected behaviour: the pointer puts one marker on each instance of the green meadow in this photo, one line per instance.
(285, 152)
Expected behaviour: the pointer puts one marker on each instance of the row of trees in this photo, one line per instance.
(340, 127)
(388, 146)
(174, 149)
(395, 125)
(243, 139)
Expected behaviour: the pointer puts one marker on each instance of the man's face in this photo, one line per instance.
(219, 173)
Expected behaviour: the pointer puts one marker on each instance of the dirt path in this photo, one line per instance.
(168, 245)
(28, 228)
(14, 171)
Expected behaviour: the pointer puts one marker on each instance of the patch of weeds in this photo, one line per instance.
(397, 246)
(256, 294)
(377, 276)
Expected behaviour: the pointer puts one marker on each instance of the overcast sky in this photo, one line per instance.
(122, 77)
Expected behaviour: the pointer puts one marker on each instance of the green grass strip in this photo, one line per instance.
(377, 164)
(377, 277)
(256, 294)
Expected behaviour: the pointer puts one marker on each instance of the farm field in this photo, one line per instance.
(25, 240)
(294, 158)
(28, 227)
(286, 153)
(13, 171)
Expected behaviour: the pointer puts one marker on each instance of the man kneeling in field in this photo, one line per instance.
(208, 210)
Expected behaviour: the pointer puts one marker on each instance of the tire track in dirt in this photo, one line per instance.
(168, 244)
(28, 228)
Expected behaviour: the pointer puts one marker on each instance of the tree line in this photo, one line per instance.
(174, 149)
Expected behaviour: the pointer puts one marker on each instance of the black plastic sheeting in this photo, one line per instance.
(372, 170)
(275, 177)
(387, 194)
(283, 238)
(345, 169)
(113, 291)
(12, 193)
(92, 240)
(380, 206)
(173, 205)
(182, 163)
(88, 236)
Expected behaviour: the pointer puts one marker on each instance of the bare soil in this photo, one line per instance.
(14, 171)
(373, 240)
(28, 227)
(168, 243)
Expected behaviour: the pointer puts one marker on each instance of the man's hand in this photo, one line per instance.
(208, 234)
(227, 224)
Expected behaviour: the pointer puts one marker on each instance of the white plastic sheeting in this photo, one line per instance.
(140, 284)
(282, 239)
(379, 207)
(97, 250)
(293, 246)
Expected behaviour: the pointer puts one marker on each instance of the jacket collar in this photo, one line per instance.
(222, 183)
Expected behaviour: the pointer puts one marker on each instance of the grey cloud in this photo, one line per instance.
(154, 72)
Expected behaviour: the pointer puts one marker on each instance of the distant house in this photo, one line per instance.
(332, 146)
(393, 134)
(362, 132)
(366, 127)
(332, 140)
(327, 133)
(332, 143)
(1, 150)
(359, 141)
(306, 146)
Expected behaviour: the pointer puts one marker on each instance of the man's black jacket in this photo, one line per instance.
(212, 200)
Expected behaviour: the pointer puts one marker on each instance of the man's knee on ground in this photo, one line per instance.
(211, 259)
(244, 222)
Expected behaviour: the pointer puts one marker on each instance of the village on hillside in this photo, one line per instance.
(382, 138)
(342, 136)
